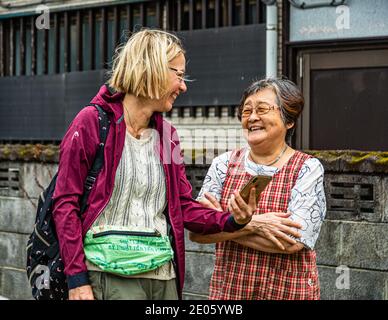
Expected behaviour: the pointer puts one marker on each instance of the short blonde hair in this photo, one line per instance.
(140, 66)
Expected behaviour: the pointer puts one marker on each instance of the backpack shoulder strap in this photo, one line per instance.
(98, 162)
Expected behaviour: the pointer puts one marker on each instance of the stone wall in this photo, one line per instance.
(17, 217)
(353, 239)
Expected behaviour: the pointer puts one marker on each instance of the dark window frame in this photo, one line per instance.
(291, 51)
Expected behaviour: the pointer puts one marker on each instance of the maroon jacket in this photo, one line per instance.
(77, 153)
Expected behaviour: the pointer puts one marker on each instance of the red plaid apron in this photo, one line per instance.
(244, 273)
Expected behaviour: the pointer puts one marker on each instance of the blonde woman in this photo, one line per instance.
(129, 243)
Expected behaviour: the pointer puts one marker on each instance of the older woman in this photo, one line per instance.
(248, 265)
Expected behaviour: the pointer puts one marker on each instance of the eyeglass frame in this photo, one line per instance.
(271, 107)
(181, 78)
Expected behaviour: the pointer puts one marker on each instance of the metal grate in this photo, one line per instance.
(86, 39)
(352, 197)
(196, 174)
(9, 180)
(203, 111)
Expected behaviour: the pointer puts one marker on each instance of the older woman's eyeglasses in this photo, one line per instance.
(182, 77)
(260, 109)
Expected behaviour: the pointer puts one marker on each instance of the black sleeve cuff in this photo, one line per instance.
(231, 225)
(78, 280)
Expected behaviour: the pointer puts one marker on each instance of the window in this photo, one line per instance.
(345, 93)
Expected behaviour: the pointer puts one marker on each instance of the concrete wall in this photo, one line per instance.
(353, 240)
(355, 19)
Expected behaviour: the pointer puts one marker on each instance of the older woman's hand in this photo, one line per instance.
(242, 211)
(210, 202)
(275, 226)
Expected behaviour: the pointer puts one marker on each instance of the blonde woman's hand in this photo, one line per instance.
(242, 211)
(81, 293)
(210, 202)
(274, 226)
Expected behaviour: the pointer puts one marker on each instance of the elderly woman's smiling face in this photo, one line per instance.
(262, 120)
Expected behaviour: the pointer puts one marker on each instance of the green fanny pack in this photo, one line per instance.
(127, 252)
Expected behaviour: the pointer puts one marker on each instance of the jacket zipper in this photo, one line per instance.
(176, 253)
(156, 233)
(106, 203)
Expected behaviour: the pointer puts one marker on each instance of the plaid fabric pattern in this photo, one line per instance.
(242, 273)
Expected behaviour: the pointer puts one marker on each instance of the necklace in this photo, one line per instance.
(277, 158)
(137, 135)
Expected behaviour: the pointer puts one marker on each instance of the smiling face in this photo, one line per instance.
(176, 84)
(265, 129)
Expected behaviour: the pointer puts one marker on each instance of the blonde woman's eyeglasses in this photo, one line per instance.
(182, 77)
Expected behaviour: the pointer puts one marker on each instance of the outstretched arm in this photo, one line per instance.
(272, 226)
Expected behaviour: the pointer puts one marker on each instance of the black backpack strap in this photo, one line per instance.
(104, 123)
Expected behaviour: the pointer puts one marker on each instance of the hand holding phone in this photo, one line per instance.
(259, 182)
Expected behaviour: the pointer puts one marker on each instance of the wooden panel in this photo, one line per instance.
(45, 51)
(230, 12)
(179, 15)
(193, 111)
(92, 56)
(191, 14)
(11, 48)
(169, 15)
(103, 37)
(129, 18)
(142, 9)
(116, 27)
(227, 74)
(57, 24)
(79, 28)
(204, 13)
(158, 13)
(217, 13)
(22, 46)
(231, 111)
(257, 15)
(243, 12)
(2, 51)
(67, 41)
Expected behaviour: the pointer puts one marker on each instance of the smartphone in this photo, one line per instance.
(259, 182)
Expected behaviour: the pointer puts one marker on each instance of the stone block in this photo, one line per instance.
(191, 296)
(365, 245)
(197, 247)
(14, 284)
(363, 284)
(328, 244)
(199, 268)
(354, 244)
(35, 177)
(17, 215)
(13, 250)
(384, 198)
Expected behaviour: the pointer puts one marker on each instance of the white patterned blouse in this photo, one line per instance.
(307, 202)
